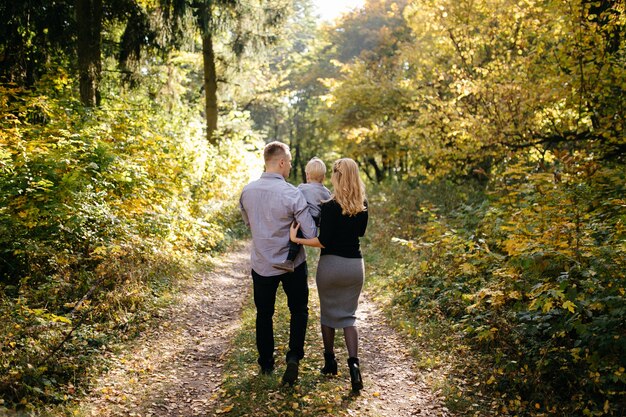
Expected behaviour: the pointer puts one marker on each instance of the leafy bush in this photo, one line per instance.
(101, 211)
(530, 274)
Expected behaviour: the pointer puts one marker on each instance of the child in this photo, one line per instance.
(314, 192)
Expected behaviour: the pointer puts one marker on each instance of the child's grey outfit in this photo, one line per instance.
(314, 193)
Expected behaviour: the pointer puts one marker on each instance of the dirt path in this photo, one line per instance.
(393, 386)
(176, 369)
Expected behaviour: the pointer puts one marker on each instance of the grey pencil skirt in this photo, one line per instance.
(339, 283)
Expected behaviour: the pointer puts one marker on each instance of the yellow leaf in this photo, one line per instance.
(226, 409)
(547, 307)
(468, 269)
(568, 305)
(515, 295)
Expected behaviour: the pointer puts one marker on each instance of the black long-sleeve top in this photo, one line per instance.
(340, 233)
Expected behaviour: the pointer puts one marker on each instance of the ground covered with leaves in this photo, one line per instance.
(200, 359)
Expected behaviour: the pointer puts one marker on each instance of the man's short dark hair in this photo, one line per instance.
(275, 149)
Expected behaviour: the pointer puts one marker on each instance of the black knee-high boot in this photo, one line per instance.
(355, 374)
(330, 364)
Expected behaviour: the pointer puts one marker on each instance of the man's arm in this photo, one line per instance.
(244, 215)
(304, 218)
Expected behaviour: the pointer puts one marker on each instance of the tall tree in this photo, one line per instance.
(370, 97)
(207, 28)
(89, 29)
(284, 107)
(245, 25)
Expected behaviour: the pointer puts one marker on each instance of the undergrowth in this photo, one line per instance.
(519, 306)
(102, 212)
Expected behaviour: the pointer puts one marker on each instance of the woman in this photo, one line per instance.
(340, 272)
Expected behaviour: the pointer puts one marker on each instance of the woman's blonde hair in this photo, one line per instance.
(348, 188)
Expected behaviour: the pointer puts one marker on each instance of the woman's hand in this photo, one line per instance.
(293, 231)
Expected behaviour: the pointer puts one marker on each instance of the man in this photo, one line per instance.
(269, 205)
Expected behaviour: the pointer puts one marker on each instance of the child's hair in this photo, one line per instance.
(316, 169)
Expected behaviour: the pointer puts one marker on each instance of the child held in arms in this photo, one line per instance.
(315, 193)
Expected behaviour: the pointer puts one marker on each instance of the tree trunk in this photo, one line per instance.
(89, 22)
(210, 86)
(380, 172)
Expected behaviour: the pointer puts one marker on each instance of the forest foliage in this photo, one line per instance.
(103, 208)
(495, 132)
(491, 133)
(496, 129)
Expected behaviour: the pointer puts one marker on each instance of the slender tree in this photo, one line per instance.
(89, 29)
(245, 25)
(207, 28)
(282, 107)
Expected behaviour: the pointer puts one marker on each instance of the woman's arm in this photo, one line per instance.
(293, 231)
(363, 223)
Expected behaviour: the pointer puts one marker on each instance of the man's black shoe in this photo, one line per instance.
(291, 373)
(267, 371)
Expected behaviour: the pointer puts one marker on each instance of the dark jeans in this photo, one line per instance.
(294, 248)
(297, 290)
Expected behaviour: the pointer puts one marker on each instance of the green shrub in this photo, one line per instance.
(529, 274)
(101, 212)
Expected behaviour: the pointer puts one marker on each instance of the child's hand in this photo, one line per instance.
(293, 231)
